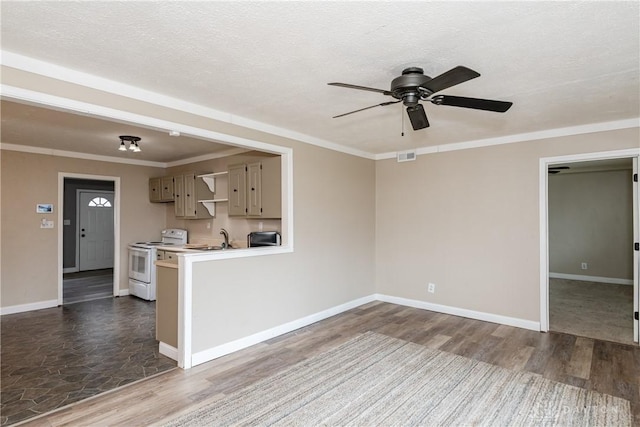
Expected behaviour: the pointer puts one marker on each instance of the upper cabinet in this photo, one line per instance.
(161, 189)
(255, 189)
(188, 190)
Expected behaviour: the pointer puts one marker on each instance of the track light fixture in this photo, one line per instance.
(133, 143)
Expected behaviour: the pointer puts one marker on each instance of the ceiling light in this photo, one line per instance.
(133, 143)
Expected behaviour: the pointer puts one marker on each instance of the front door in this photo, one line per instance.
(95, 230)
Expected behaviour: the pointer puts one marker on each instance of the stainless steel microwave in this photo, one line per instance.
(263, 238)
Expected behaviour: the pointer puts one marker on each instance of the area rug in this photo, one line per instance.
(375, 380)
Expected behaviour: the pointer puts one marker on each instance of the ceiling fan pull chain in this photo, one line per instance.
(402, 115)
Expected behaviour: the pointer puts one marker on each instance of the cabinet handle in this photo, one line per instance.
(235, 190)
(253, 189)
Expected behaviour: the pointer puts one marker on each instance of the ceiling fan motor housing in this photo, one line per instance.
(409, 87)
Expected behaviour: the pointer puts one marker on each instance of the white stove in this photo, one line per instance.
(142, 268)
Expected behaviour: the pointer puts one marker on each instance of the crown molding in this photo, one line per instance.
(57, 72)
(76, 155)
(523, 137)
(69, 75)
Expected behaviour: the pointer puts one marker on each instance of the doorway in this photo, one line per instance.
(588, 227)
(88, 241)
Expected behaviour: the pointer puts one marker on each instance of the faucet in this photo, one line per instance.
(226, 238)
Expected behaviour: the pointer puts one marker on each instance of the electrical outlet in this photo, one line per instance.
(584, 266)
(432, 288)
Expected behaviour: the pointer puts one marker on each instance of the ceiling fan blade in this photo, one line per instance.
(366, 108)
(453, 77)
(370, 89)
(417, 117)
(475, 103)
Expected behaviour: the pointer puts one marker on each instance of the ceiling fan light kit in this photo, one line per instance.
(133, 143)
(414, 86)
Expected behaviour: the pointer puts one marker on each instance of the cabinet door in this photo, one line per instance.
(167, 189)
(178, 192)
(189, 195)
(160, 255)
(237, 187)
(171, 256)
(254, 189)
(154, 190)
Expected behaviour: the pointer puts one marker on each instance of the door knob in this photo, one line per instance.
(83, 235)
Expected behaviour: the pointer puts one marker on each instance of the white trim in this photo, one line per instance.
(167, 350)
(21, 308)
(544, 163)
(77, 155)
(204, 157)
(123, 292)
(523, 137)
(50, 70)
(57, 72)
(70, 270)
(583, 278)
(224, 349)
(462, 312)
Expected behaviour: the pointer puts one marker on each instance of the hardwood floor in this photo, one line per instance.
(87, 285)
(591, 364)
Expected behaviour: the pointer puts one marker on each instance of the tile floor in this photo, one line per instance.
(58, 356)
(593, 310)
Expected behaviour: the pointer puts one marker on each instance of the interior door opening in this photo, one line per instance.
(89, 257)
(590, 223)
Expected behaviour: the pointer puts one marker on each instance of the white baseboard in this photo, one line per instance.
(462, 312)
(610, 280)
(167, 350)
(70, 270)
(233, 346)
(12, 309)
(123, 292)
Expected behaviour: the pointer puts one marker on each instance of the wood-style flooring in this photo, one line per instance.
(582, 362)
(594, 310)
(87, 285)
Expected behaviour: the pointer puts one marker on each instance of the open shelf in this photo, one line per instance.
(211, 205)
(210, 179)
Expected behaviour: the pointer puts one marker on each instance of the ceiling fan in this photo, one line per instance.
(414, 86)
(557, 169)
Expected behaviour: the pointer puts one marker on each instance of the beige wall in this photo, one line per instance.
(468, 221)
(591, 220)
(334, 203)
(29, 265)
(208, 230)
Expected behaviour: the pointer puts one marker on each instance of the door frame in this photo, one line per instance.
(544, 163)
(116, 227)
(78, 191)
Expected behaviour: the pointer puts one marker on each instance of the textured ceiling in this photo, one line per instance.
(562, 64)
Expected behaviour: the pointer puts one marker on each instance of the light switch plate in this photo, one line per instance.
(46, 223)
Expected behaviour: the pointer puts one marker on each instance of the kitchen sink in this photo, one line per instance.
(215, 248)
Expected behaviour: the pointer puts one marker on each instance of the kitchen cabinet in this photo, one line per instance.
(166, 256)
(167, 305)
(161, 189)
(255, 189)
(188, 189)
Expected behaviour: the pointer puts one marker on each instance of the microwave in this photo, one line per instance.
(263, 238)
